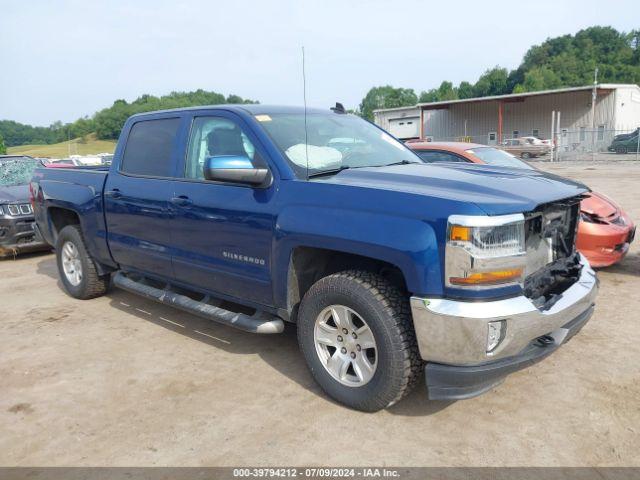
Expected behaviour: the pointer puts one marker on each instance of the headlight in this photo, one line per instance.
(591, 218)
(485, 252)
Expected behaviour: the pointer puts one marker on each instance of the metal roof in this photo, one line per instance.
(600, 86)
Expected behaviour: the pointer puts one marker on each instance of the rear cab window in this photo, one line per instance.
(149, 148)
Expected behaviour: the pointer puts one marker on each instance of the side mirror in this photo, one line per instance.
(234, 169)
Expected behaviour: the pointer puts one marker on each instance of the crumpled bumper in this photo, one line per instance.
(19, 234)
(452, 336)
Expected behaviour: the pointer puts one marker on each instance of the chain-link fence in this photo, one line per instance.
(580, 144)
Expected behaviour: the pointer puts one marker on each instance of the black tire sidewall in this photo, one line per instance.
(71, 234)
(381, 389)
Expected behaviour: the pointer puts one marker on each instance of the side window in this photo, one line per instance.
(450, 157)
(217, 136)
(433, 156)
(149, 147)
(428, 156)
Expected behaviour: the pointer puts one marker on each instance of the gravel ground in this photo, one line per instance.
(122, 381)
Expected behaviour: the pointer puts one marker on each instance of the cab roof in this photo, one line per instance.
(252, 109)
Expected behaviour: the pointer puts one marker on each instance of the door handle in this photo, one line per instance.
(181, 201)
(115, 193)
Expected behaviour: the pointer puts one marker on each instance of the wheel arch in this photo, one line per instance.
(309, 264)
(59, 218)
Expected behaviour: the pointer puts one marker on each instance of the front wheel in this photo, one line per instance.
(356, 334)
(526, 155)
(621, 150)
(76, 268)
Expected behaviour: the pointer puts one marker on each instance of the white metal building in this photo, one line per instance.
(490, 120)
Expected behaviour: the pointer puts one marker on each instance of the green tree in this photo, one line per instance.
(429, 96)
(539, 78)
(570, 60)
(492, 82)
(108, 122)
(564, 61)
(386, 97)
(465, 90)
(3, 149)
(446, 91)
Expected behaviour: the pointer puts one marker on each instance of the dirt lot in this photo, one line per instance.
(123, 381)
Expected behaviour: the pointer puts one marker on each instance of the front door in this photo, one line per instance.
(137, 198)
(492, 138)
(223, 232)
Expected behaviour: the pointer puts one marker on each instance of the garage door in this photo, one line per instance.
(403, 128)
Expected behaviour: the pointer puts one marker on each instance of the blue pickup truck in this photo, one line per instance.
(390, 268)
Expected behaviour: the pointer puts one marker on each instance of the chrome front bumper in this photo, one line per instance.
(454, 332)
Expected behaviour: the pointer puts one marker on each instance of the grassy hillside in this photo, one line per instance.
(78, 146)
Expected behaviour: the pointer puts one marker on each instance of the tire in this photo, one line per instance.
(525, 155)
(88, 284)
(384, 309)
(621, 150)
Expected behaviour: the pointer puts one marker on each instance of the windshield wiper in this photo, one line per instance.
(401, 162)
(332, 171)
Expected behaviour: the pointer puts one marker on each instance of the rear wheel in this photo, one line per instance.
(356, 334)
(525, 155)
(77, 270)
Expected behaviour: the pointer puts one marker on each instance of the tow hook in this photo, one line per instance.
(546, 340)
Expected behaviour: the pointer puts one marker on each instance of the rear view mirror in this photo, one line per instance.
(235, 169)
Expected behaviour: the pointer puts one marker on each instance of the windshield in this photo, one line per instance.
(332, 141)
(17, 170)
(497, 157)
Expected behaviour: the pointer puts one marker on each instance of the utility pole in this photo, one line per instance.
(553, 137)
(594, 95)
(559, 135)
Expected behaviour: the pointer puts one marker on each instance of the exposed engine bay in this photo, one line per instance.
(553, 264)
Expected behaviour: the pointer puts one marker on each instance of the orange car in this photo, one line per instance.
(605, 231)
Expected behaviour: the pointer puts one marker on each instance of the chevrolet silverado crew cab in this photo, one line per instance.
(390, 268)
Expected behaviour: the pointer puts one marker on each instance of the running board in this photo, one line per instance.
(259, 322)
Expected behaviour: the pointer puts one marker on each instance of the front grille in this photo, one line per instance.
(550, 233)
(19, 209)
(550, 238)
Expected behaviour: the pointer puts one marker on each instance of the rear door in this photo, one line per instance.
(137, 195)
(223, 232)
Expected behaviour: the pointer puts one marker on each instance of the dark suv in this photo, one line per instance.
(625, 143)
(17, 226)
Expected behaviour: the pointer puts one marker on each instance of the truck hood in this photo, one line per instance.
(14, 194)
(495, 190)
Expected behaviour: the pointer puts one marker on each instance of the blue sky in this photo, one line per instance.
(68, 58)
